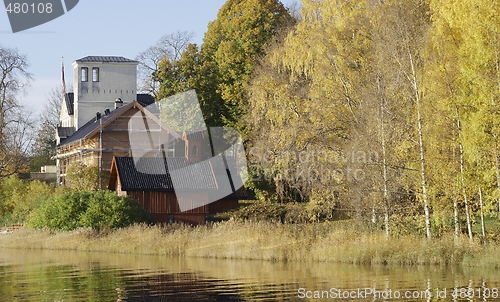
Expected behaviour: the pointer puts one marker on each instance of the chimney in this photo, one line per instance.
(118, 103)
(106, 112)
(97, 116)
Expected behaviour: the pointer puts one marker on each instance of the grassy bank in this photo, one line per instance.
(323, 242)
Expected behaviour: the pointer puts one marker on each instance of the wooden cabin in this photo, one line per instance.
(125, 131)
(155, 190)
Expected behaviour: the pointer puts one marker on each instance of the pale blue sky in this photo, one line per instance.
(107, 27)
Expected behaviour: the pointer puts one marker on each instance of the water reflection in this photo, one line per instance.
(77, 276)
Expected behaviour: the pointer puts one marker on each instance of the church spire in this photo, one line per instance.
(62, 74)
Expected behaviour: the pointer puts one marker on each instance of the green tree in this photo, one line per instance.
(97, 210)
(107, 210)
(219, 72)
(191, 72)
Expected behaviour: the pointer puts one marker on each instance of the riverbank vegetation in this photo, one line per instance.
(342, 242)
(100, 221)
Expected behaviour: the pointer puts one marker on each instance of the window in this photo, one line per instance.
(194, 150)
(95, 74)
(85, 74)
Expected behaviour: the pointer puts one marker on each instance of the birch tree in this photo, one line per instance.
(405, 30)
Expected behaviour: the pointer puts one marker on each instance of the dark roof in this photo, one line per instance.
(69, 99)
(158, 177)
(148, 101)
(106, 59)
(145, 99)
(199, 176)
(91, 125)
(194, 134)
(64, 132)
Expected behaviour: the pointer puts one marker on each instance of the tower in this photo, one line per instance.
(98, 82)
(193, 145)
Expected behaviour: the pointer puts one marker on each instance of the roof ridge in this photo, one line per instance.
(107, 59)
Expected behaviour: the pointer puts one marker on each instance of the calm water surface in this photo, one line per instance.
(79, 276)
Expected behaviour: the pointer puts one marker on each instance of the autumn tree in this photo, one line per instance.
(304, 101)
(81, 177)
(192, 71)
(469, 66)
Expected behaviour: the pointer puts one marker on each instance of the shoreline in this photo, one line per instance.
(337, 242)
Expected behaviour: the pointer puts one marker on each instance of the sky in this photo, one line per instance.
(101, 28)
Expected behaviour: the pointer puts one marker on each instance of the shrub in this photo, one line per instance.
(96, 210)
(10, 187)
(19, 197)
(60, 213)
(321, 205)
(106, 209)
(260, 211)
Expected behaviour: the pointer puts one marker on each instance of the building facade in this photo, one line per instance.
(98, 82)
(96, 116)
(105, 123)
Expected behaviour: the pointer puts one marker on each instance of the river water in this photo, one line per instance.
(78, 276)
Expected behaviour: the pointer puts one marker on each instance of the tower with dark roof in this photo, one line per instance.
(98, 82)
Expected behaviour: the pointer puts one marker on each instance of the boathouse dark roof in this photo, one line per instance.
(199, 176)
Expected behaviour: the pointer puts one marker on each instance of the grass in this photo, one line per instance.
(340, 242)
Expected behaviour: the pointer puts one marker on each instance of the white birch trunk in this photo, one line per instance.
(464, 191)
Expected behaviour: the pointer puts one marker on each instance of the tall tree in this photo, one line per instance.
(15, 121)
(44, 147)
(169, 47)
(232, 45)
(404, 36)
(220, 70)
(306, 106)
(192, 71)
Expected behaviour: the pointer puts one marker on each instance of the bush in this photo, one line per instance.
(19, 197)
(63, 212)
(96, 210)
(260, 211)
(106, 209)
